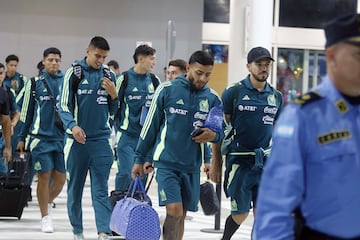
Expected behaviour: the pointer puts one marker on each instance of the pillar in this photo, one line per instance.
(250, 26)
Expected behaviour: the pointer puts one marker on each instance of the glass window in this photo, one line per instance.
(216, 11)
(219, 52)
(293, 77)
(317, 68)
(313, 13)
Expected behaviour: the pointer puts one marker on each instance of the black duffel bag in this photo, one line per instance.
(208, 199)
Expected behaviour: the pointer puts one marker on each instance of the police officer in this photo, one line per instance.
(314, 165)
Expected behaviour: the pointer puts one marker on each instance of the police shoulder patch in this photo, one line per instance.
(307, 98)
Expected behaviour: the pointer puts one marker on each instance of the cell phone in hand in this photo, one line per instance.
(196, 132)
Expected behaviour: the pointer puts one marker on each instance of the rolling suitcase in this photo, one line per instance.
(14, 187)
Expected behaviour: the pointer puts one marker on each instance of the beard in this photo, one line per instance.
(261, 78)
(193, 87)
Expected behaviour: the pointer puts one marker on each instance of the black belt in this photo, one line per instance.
(310, 234)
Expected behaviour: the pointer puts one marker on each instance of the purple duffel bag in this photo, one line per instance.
(135, 219)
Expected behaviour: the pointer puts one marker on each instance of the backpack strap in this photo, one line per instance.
(78, 75)
(123, 87)
(33, 87)
(31, 107)
(121, 96)
(8, 89)
(21, 84)
(154, 80)
(235, 96)
(41, 77)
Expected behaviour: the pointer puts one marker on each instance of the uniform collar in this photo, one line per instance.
(341, 104)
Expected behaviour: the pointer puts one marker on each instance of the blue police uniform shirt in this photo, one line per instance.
(314, 165)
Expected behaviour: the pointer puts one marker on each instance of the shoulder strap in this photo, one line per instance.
(125, 81)
(8, 89)
(235, 97)
(47, 87)
(124, 85)
(78, 75)
(21, 83)
(31, 107)
(154, 80)
(33, 87)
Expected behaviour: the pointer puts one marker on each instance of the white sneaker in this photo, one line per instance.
(103, 236)
(79, 236)
(46, 224)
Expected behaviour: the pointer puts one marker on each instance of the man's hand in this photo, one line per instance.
(137, 169)
(206, 136)
(215, 174)
(109, 87)
(207, 168)
(7, 154)
(79, 134)
(216, 161)
(14, 85)
(148, 167)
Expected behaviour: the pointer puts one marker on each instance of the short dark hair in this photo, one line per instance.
(178, 63)
(113, 63)
(12, 57)
(201, 57)
(40, 65)
(51, 50)
(99, 42)
(2, 65)
(143, 50)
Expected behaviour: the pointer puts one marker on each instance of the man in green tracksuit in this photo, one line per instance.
(177, 107)
(85, 110)
(134, 105)
(46, 138)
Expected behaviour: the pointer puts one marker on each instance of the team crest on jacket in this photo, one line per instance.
(271, 100)
(204, 105)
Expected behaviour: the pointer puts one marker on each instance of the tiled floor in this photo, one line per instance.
(197, 224)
